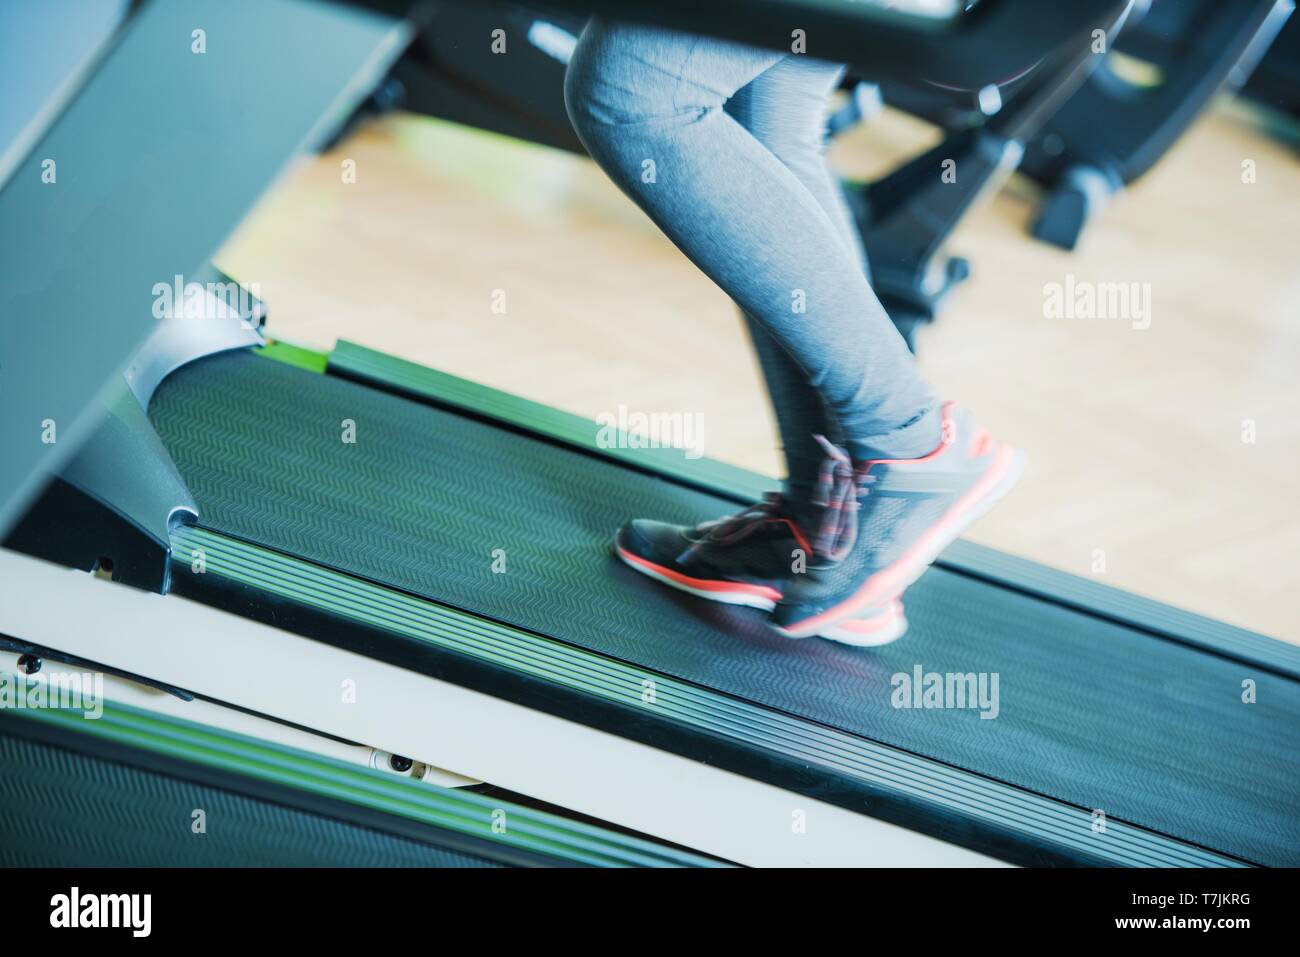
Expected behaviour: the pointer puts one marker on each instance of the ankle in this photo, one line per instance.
(916, 438)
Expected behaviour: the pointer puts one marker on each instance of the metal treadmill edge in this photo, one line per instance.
(445, 817)
(543, 673)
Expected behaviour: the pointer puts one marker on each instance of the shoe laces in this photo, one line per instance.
(733, 528)
(839, 485)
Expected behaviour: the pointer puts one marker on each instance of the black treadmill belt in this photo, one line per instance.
(63, 808)
(1092, 712)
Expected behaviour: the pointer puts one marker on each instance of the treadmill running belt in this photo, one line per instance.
(1089, 711)
(61, 808)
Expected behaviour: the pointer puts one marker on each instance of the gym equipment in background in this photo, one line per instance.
(455, 70)
(1170, 59)
(1275, 82)
(1162, 73)
(359, 556)
(1167, 64)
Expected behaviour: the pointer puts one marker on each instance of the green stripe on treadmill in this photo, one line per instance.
(1064, 827)
(450, 809)
(290, 354)
(575, 431)
(73, 806)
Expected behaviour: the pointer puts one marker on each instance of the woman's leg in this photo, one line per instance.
(785, 109)
(650, 107)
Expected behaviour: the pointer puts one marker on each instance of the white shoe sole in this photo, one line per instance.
(861, 632)
(726, 596)
(917, 565)
(871, 632)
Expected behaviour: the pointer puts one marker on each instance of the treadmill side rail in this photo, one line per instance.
(890, 784)
(113, 506)
(460, 822)
(108, 203)
(178, 339)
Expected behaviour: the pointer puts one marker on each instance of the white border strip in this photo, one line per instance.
(251, 665)
(123, 691)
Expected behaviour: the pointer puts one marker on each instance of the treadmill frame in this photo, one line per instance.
(794, 754)
(276, 772)
(273, 671)
(540, 672)
(390, 627)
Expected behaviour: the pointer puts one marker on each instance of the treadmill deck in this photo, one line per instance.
(1090, 711)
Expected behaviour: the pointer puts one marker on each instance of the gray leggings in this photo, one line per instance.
(722, 144)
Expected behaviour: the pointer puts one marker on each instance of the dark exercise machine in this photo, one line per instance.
(1276, 81)
(1082, 146)
(1161, 75)
(315, 520)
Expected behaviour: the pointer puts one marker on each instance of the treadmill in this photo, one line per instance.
(363, 557)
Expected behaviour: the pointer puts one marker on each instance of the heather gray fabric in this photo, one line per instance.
(721, 145)
(784, 108)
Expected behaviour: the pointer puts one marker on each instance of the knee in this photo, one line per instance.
(580, 84)
(615, 83)
(605, 109)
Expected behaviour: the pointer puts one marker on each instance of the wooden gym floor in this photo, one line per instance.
(1140, 473)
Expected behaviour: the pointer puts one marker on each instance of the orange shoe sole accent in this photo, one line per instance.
(731, 593)
(993, 484)
(863, 632)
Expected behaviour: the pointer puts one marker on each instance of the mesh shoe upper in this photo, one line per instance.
(900, 514)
